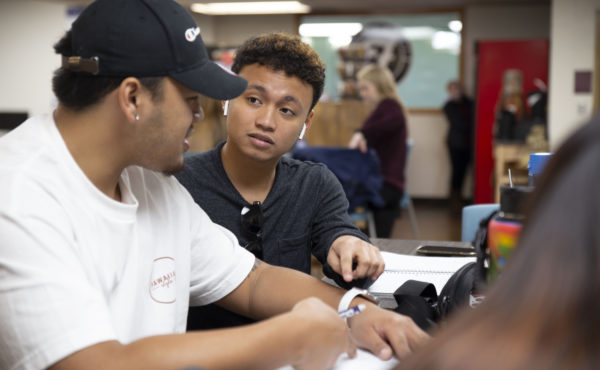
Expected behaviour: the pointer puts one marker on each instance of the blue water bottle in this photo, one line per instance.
(537, 161)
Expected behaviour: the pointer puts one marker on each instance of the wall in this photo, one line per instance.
(480, 23)
(28, 30)
(572, 49)
(233, 30)
(428, 171)
(27, 65)
(207, 27)
(500, 23)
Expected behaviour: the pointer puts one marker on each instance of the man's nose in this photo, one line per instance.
(266, 118)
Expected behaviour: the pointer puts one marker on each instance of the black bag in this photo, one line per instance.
(420, 301)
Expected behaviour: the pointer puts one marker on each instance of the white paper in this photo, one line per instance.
(402, 267)
(364, 360)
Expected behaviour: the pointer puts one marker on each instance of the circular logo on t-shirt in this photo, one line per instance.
(162, 281)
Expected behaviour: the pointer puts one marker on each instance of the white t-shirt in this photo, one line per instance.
(78, 268)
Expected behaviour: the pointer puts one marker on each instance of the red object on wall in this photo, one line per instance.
(493, 58)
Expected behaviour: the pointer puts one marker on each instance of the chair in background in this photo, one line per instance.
(363, 214)
(406, 201)
(366, 215)
(471, 216)
(359, 176)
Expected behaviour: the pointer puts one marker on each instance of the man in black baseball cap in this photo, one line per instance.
(147, 38)
(102, 250)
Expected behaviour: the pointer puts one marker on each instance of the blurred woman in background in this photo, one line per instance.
(384, 131)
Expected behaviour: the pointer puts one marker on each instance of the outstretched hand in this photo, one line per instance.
(348, 249)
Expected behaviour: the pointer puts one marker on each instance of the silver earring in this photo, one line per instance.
(137, 117)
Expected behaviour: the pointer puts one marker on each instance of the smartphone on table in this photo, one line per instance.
(431, 249)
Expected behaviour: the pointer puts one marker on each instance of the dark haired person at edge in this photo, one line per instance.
(459, 113)
(542, 312)
(385, 131)
(302, 206)
(102, 251)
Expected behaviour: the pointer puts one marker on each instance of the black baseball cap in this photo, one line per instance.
(147, 38)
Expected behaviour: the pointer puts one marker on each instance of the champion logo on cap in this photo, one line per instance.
(140, 44)
(192, 33)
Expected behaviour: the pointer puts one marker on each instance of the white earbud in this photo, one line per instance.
(302, 132)
(225, 107)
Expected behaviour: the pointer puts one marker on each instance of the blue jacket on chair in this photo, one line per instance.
(358, 172)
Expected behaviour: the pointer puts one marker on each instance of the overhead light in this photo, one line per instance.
(338, 34)
(337, 42)
(455, 25)
(253, 7)
(446, 41)
(329, 29)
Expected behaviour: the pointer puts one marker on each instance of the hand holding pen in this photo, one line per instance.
(355, 310)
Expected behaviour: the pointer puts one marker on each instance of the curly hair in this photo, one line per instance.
(287, 53)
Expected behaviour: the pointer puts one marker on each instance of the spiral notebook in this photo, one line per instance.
(402, 267)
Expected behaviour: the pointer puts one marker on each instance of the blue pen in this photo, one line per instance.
(352, 311)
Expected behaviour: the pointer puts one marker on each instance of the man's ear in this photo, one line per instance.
(309, 120)
(130, 97)
(306, 125)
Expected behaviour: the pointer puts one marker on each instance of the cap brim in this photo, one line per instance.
(213, 81)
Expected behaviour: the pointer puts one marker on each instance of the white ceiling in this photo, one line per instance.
(366, 6)
(379, 5)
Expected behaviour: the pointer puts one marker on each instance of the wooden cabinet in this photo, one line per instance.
(334, 123)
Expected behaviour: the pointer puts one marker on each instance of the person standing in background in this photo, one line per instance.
(510, 107)
(459, 112)
(385, 131)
